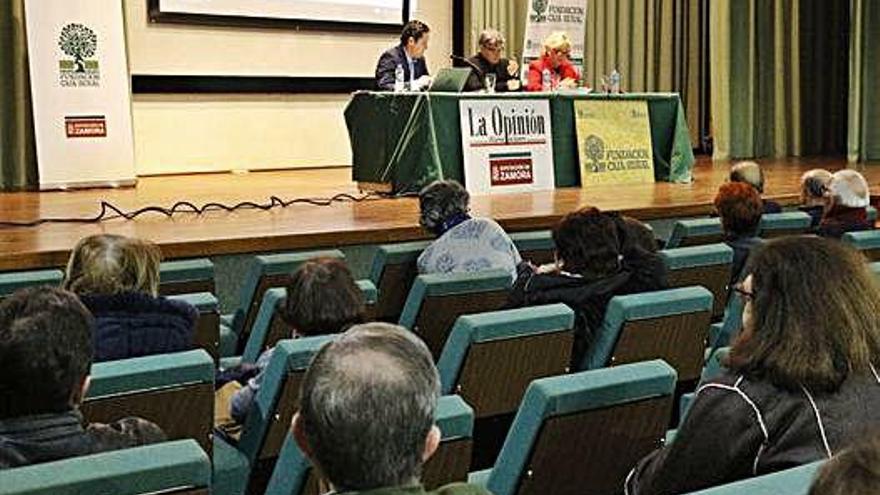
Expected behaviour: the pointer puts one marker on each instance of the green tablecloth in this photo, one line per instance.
(411, 139)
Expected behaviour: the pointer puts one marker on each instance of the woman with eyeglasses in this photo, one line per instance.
(554, 60)
(801, 382)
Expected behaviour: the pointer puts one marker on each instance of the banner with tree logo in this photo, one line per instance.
(548, 16)
(614, 141)
(80, 93)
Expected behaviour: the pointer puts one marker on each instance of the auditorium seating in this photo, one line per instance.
(785, 223)
(293, 473)
(707, 265)
(582, 433)
(179, 467)
(437, 300)
(393, 272)
(207, 334)
(12, 281)
(723, 332)
(712, 369)
(695, 232)
(186, 276)
(536, 246)
(867, 241)
(875, 269)
(268, 420)
(175, 391)
(668, 324)
(794, 481)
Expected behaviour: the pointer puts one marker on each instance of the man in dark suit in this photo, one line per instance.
(489, 61)
(410, 55)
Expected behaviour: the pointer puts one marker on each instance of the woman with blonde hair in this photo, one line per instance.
(117, 278)
(555, 61)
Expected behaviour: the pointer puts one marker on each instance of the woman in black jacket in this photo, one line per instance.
(801, 383)
(117, 279)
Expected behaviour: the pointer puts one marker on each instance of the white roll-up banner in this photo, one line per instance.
(81, 93)
(548, 16)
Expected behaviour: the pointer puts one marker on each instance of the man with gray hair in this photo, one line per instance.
(849, 197)
(490, 63)
(366, 417)
(751, 173)
(814, 194)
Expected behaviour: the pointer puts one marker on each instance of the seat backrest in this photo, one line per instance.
(265, 272)
(695, 232)
(437, 300)
(269, 327)
(866, 241)
(872, 213)
(207, 334)
(669, 324)
(393, 272)
(490, 358)
(175, 391)
(186, 276)
(875, 269)
(12, 281)
(707, 265)
(581, 433)
(794, 481)
(536, 246)
(179, 468)
(785, 223)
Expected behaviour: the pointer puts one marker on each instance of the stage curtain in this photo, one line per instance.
(507, 16)
(864, 64)
(778, 77)
(18, 165)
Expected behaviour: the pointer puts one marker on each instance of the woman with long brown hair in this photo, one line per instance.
(801, 381)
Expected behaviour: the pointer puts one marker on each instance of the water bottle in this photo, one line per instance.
(398, 79)
(615, 81)
(545, 80)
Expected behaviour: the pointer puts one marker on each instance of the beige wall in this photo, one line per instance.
(199, 133)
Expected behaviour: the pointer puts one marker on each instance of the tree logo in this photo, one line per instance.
(540, 6)
(79, 42)
(594, 149)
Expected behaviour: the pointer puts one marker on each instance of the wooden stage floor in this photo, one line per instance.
(305, 226)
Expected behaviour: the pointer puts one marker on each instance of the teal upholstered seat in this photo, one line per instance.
(12, 281)
(393, 272)
(175, 391)
(669, 324)
(207, 334)
(268, 420)
(708, 265)
(265, 272)
(449, 464)
(583, 430)
(872, 213)
(723, 332)
(437, 300)
(866, 241)
(695, 232)
(785, 223)
(713, 368)
(875, 269)
(536, 246)
(794, 481)
(186, 276)
(180, 467)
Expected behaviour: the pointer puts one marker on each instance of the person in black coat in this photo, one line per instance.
(117, 278)
(739, 207)
(752, 174)
(410, 55)
(814, 194)
(801, 382)
(597, 258)
(489, 61)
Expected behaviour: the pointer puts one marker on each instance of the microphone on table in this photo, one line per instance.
(467, 62)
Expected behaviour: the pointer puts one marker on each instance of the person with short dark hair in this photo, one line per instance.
(740, 208)
(322, 298)
(814, 194)
(410, 55)
(490, 61)
(854, 471)
(595, 261)
(463, 243)
(800, 382)
(366, 416)
(848, 199)
(45, 361)
(751, 173)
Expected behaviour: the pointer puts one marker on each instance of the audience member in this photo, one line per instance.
(853, 471)
(849, 197)
(366, 417)
(739, 207)
(45, 360)
(555, 60)
(595, 262)
(322, 298)
(463, 244)
(800, 384)
(638, 234)
(489, 61)
(117, 278)
(814, 194)
(752, 174)
(409, 55)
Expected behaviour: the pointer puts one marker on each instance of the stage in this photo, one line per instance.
(302, 226)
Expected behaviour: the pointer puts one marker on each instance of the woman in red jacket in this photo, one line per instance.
(555, 59)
